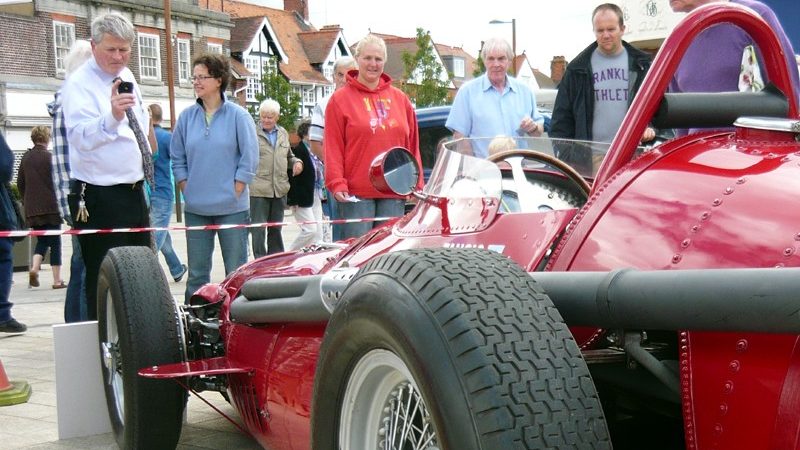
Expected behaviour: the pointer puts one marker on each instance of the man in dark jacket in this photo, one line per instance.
(600, 83)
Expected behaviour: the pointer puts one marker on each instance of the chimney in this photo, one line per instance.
(557, 68)
(298, 6)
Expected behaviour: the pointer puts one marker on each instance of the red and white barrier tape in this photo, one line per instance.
(23, 233)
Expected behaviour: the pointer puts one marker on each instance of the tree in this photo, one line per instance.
(275, 86)
(423, 73)
(480, 68)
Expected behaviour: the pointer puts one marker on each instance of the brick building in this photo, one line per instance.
(36, 35)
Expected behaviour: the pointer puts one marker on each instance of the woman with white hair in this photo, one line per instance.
(271, 183)
(214, 152)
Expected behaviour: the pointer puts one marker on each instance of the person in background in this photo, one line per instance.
(713, 61)
(271, 182)
(363, 119)
(214, 151)
(316, 133)
(162, 196)
(494, 104)
(305, 194)
(35, 184)
(600, 83)
(8, 221)
(75, 302)
(108, 150)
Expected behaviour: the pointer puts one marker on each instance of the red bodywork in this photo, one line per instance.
(714, 200)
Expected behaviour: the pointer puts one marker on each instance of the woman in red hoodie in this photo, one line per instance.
(363, 119)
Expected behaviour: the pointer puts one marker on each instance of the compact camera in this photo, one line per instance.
(125, 87)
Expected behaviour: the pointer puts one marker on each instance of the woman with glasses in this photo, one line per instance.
(214, 157)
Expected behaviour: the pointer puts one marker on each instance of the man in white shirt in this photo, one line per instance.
(106, 160)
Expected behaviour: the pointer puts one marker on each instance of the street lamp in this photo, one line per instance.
(513, 23)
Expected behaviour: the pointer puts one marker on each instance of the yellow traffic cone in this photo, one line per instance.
(12, 392)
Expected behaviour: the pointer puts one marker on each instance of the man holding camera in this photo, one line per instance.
(109, 154)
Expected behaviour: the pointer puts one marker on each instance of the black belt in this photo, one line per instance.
(75, 186)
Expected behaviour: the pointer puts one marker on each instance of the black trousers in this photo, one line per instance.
(118, 206)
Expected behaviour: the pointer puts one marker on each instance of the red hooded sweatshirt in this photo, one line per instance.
(360, 124)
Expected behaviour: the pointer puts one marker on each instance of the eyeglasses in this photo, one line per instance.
(200, 78)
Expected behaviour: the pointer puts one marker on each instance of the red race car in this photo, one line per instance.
(515, 306)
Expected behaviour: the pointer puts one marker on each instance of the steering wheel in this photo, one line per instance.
(524, 194)
(552, 161)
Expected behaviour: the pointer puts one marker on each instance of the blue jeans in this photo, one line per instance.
(6, 273)
(75, 303)
(160, 214)
(200, 247)
(370, 207)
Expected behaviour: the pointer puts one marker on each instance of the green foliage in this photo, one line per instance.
(431, 91)
(480, 68)
(14, 191)
(275, 86)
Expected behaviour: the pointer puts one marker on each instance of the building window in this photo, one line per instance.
(327, 72)
(149, 57)
(309, 97)
(214, 48)
(252, 63)
(328, 90)
(184, 71)
(63, 37)
(458, 68)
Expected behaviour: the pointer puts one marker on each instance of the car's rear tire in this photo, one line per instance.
(469, 336)
(139, 327)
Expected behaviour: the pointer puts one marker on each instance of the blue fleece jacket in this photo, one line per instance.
(212, 157)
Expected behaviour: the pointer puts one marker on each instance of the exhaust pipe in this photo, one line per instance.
(750, 300)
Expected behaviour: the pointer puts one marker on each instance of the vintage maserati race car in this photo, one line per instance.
(516, 306)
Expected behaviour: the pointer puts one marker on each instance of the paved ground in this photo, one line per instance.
(29, 357)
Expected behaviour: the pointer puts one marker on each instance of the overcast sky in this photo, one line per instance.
(543, 29)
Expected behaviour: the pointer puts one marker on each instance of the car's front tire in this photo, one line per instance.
(139, 327)
(457, 347)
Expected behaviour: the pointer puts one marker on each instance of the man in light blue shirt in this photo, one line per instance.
(494, 104)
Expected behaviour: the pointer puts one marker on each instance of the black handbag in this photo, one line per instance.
(18, 214)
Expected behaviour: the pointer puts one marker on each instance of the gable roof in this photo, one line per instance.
(243, 31)
(250, 20)
(470, 63)
(519, 62)
(318, 44)
(545, 82)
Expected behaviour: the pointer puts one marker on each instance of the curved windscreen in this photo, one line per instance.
(583, 156)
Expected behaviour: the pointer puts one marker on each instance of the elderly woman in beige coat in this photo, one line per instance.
(271, 183)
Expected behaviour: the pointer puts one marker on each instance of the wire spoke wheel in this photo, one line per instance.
(383, 408)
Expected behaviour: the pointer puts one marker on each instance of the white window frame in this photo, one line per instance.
(149, 64)
(327, 72)
(309, 95)
(184, 65)
(214, 48)
(63, 38)
(459, 68)
(253, 65)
